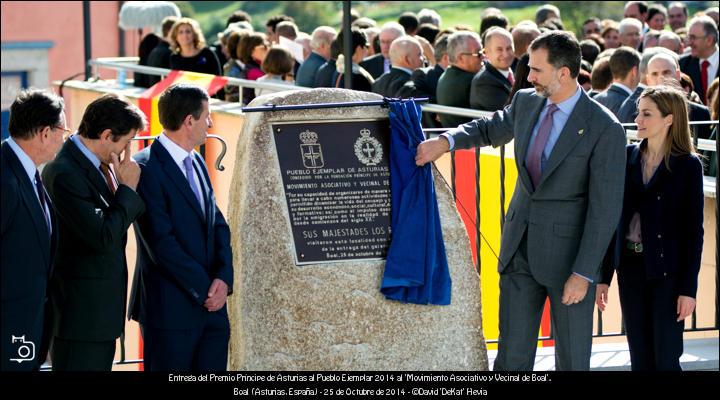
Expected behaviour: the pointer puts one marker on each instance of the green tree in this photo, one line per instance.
(310, 14)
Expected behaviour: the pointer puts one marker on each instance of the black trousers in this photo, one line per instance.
(649, 309)
(201, 349)
(75, 355)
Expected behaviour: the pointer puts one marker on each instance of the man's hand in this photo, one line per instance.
(431, 149)
(575, 290)
(601, 295)
(685, 307)
(217, 295)
(127, 171)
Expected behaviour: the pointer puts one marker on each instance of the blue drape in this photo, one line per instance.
(416, 269)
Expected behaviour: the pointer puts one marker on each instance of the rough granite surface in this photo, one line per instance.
(332, 316)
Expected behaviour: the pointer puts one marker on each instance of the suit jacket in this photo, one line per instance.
(423, 83)
(307, 71)
(324, 76)
(453, 90)
(489, 90)
(181, 250)
(374, 64)
(612, 98)
(672, 241)
(89, 286)
(691, 66)
(25, 267)
(390, 83)
(571, 215)
(697, 112)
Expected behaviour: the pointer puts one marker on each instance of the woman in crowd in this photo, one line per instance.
(361, 79)
(611, 36)
(658, 244)
(190, 52)
(657, 15)
(278, 67)
(252, 51)
(234, 68)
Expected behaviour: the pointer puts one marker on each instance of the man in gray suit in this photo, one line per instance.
(624, 65)
(570, 157)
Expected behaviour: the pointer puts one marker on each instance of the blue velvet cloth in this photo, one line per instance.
(416, 269)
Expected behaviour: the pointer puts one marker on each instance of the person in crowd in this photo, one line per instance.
(92, 183)
(428, 32)
(523, 34)
(492, 20)
(453, 89)
(628, 109)
(361, 79)
(546, 12)
(687, 86)
(677, 15)
(657, 17)
(322, 38)
(159, 57)
(637, 10)
(253, 49)
(491, 86)
(714, 14)
(585, 80)
(630, 33)
(272, 23)
(611, 36)
(591, 26)
(184, 267)
(29, 227)
(651, 39)
(429, 16)
(522, 71)
(190, 52)
(409, 21)
(406, 56)
(703, 61)
(326, 72)
(380, 63)
(590, 50)
(234, 68)
(671, 41)
(567, 148)
(278, 68)
(147, 45)
(601, 77)
(657, 253)
(624, 63)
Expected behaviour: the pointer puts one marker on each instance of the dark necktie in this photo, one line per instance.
(535, 154)
(704, 78)
(187, 162)
(43, 201)
(108, 177)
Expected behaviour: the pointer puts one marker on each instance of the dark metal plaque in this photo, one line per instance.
(336, 180)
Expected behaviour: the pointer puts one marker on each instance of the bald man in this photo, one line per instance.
(405, 57)
(664, 69)
(491, 86)
(380, 63)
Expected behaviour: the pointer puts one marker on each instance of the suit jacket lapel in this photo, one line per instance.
(175, 175)
(569, 136)
(93, 175)
(522, 142)
(499, 77)
(27, 192)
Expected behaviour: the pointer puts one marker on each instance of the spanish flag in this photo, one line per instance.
(148, 101)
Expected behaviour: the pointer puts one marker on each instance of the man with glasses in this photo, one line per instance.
(29, 228)
(406, 56)
(92, 183)
(702, 62)
(465, 54)
(379, 64)
(491, 86)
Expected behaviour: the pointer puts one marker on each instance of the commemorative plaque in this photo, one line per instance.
(336, 181)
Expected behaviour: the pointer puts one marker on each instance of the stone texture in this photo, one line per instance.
(333, 316)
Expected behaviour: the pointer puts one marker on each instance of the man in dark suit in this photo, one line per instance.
(624, 65)
(491, 86)
(423, 82)
(379, 64)
(702, 62)
(29, 228)
(184, 268)
(96, 205)
(406, 56)
(453, 89)
(322, 38)
(662, 69)
(570, 159)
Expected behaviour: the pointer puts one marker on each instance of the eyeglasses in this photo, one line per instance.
(66, 131)
(693, 38)
(476, 54)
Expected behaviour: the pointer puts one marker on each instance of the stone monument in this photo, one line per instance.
(298, 307)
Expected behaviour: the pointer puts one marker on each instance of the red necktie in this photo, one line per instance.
(510, 78)
(108, 177)
(704, 78)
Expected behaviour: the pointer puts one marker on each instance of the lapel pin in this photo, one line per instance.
(581, 132)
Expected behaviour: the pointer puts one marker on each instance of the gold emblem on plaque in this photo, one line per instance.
(310, 150)
(368, 150)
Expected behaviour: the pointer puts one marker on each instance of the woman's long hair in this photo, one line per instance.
(199, 39)
(670, 100)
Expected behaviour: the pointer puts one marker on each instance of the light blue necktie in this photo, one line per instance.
(191, 179)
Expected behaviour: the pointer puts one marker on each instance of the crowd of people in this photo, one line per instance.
(585, 206)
